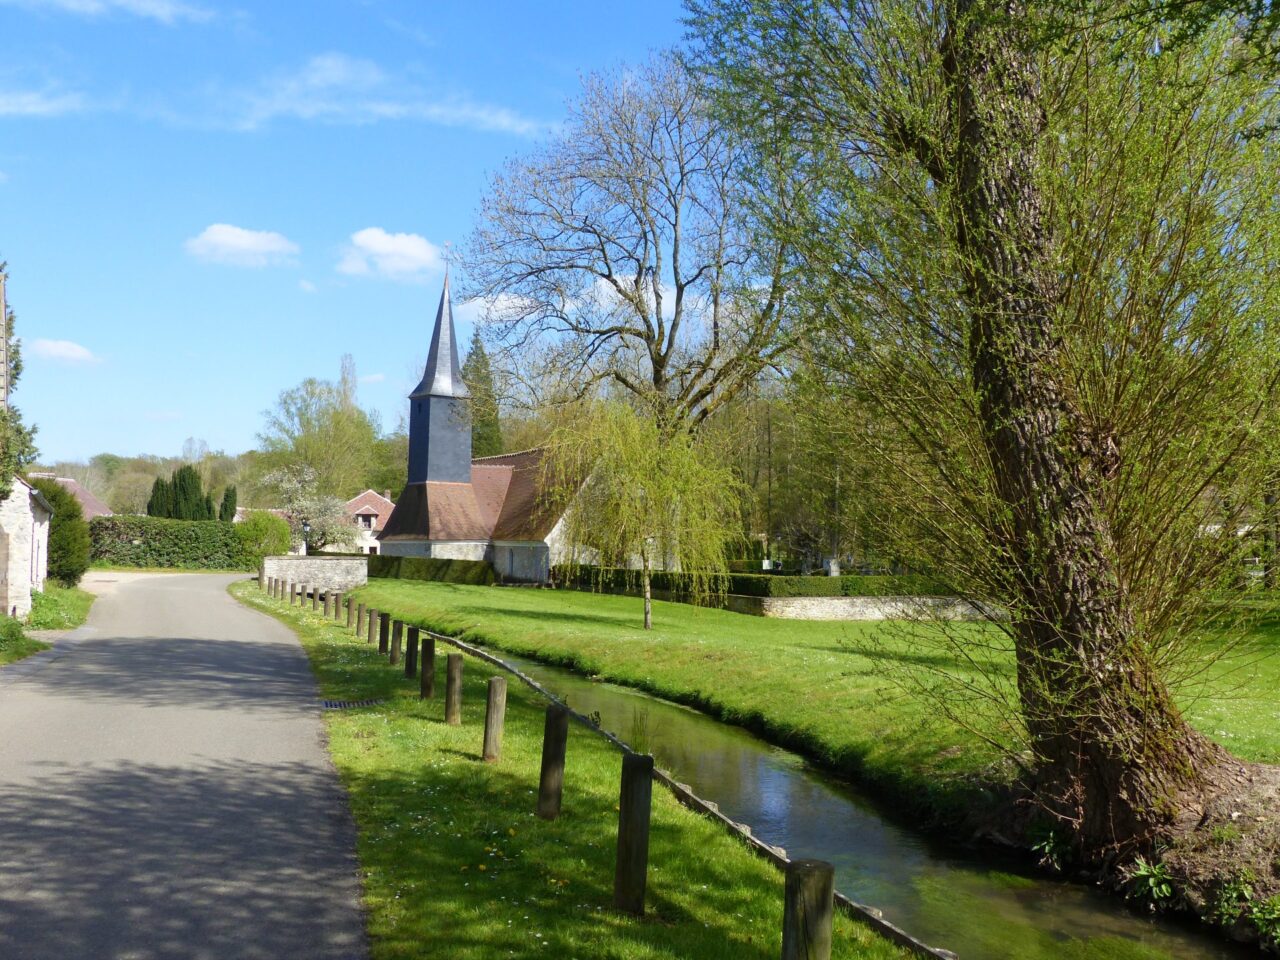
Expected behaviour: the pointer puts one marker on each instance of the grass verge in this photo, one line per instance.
(59, 608)
(456, 865)
(14, 645)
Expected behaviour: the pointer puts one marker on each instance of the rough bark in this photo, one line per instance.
(1117, 760)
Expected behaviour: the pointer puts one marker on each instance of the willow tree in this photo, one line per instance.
(1052, 272)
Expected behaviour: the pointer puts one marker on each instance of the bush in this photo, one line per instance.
(68, 533)
(262, 534)
(476, 572)
(156, 542)
(58, 608)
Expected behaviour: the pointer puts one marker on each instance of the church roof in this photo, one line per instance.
(443, 374)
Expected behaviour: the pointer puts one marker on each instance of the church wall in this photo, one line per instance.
(521, 562)
(439, 549)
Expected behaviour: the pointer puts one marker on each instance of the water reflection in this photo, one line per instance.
(949, 901)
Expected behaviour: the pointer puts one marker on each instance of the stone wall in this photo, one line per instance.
(855, 608)
(317, 570)
(24, 530)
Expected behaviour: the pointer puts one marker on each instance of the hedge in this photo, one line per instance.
(130, 541)
(476, 572)
(769, 585)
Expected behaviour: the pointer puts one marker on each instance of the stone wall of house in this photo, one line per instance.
(327, 573)
(521, 562)
(26, 550)
(450, 550)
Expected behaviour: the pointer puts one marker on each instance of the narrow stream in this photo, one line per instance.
(944, 898)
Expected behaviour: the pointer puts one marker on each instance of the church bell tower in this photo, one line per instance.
(439, 409)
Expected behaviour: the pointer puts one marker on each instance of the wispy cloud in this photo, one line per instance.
(398, 256)
(238, 247)
(38, 103)
(164, 11)
(373, 378)
(306, 286)
(63, 351)
(335, 88)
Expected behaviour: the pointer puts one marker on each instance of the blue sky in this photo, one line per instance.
(202, 204)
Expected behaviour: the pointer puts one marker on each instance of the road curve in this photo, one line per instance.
(166, 791)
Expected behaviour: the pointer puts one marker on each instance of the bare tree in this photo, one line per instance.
(625, 250)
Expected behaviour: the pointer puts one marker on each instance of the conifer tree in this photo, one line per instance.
(486, 429)
(161, 502)
(227, 509)
(188, 496)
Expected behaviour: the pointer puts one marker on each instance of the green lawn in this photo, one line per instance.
(455, 864)
(59, 608)
(14, 646)
(827, 689)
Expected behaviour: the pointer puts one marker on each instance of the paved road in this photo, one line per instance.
(165, 790)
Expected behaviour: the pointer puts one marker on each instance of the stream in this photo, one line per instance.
(945, 898)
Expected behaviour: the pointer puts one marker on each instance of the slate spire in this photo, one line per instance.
(443, 375)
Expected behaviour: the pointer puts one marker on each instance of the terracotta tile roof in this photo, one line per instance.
(371, 502)
(89, 504)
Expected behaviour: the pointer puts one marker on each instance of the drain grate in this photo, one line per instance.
(349, 704)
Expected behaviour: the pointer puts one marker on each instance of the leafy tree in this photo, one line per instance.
(304, 503)
(1050, 272)
(388, 470)
(486, 428)
(263, 534)
(17, 440)
(227, 509)
(68, 533)
(638, 496)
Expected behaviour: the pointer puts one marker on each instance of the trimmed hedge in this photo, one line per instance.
(771, 585)
(475, 572)
(128, 541)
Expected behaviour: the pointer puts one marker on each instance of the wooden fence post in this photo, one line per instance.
(263, 578)
(634, 803)
(293, 594)
(411, 652)
(807, 910)
(397, 641)
(428, 689)
(555, 737)
(315, 599)
(360, 628)
(337, 604)
(495, 714)
(270, 585)
(373, 626)
(351, 613)
(453, 690)
(328, 604)
(384, 632)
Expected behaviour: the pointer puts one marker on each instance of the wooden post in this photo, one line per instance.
(337, 604)
(634, 802)
(360, 628)
(351, 613)
(269, 584)
(384, 632)
(411, 652)
(807, 910)
(328, 604)
(315, 599)
(555, 737)
(373, 626)
(293, 593)
(428, 689)
(263, 578)
(397, 641)
(453, 690)
(495, 714)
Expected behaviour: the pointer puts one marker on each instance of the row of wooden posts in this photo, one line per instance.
(810, 884)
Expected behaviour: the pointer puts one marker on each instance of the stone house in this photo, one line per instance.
(369, 512)
(24, 546)
(457, 507)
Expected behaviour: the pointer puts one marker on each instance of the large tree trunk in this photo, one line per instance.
(1116, 759)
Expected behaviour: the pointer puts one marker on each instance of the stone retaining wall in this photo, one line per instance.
(328, 573)
(854, 608)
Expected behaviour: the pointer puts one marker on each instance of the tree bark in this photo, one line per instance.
(1115, 758)
(648, 593)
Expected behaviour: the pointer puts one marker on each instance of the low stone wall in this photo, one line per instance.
(317, 570)
(855, 608)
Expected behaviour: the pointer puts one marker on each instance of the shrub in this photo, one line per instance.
(262, 534)
(68, 533)
(10, 632)
(477, 572)
(156, 542)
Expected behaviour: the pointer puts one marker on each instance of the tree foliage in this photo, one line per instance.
(486, 427)
(263, 534)
(298, 493)
(68, 556)
(227, 508)
(17, 440)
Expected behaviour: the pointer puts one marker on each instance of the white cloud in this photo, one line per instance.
(373, 378)
(34, 103)
(165, 11)
(336, 88)
(63, 351)
(400, 256)
(306, 286)
(224, 243)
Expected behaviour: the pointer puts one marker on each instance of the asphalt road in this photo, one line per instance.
(165, 788)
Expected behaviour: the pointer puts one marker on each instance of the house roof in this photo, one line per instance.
(370, 503)
(90, 505)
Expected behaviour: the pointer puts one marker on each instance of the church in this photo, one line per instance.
(460, 508)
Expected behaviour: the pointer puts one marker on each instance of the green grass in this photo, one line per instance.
(823, 688)
(14, 646)
(455, 864)
(59, 608)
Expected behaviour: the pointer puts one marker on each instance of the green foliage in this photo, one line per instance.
(475, 572)
(262, 534)
(68, 533)
(1265, 915)
(158, 542)
(59, 608)
(227, 509)
(14, 644)
(1150, 881)
(181, 497)
(1231, 898)
(765, 585)
(1051, 845)
(17, 440)
(486, 428)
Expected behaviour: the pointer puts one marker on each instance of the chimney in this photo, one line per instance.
(386, 494)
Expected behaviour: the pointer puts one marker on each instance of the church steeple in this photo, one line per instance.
(439, 409)
(443, 375)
